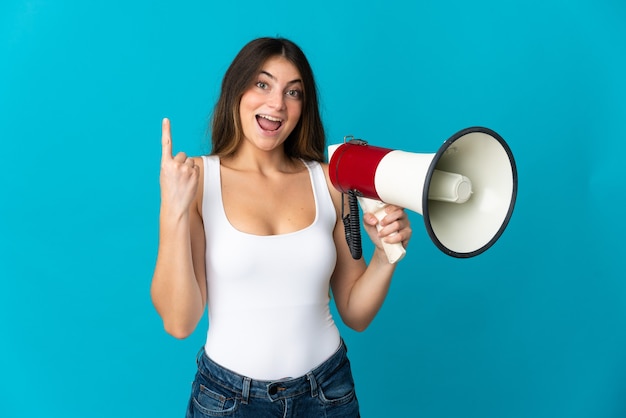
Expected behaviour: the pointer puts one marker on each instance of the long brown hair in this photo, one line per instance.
(307, 139)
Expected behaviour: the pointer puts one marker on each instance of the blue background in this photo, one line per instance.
(534, 327)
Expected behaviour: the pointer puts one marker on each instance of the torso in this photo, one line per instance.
(270, 254)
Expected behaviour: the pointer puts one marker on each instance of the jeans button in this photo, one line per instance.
(273, 390)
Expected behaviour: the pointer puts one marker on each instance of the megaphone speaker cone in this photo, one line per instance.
(468, 229)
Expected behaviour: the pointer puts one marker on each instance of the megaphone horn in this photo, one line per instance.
(465, 191)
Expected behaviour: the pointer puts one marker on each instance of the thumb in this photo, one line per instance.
(166, 139)
(370, 219)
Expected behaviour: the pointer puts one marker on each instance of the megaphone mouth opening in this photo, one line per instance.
(465, 237)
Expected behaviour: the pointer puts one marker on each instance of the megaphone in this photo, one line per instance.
(465, 191)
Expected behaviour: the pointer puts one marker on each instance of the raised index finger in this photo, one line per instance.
(166, 139)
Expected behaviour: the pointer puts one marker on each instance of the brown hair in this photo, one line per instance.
(306, 140)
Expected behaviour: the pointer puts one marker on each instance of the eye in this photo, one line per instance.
(296, 94)
(262, 85)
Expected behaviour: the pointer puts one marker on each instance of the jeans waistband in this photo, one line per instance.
(273, 389)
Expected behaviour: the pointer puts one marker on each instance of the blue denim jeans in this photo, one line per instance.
(326, 391)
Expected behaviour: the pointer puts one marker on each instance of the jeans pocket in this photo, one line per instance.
(338, 389)
(215, 401)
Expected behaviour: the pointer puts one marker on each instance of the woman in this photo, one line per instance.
(252, 231)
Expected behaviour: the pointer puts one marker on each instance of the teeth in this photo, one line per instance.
(273, 119)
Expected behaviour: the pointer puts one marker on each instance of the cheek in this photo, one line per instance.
(295, 111)
(245, 104)
(247, 112)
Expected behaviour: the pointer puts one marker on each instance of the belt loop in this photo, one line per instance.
(313, 383)
(199, 355)
(245, 395)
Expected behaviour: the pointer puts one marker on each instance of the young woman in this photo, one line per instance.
(253, 231)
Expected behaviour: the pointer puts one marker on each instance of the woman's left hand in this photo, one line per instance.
(394, 227)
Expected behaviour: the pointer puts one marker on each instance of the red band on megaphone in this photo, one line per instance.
(353, 167)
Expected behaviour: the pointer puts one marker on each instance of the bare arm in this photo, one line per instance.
(360, 289)
(178, 285)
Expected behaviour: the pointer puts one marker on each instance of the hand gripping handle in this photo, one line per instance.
(394, 252)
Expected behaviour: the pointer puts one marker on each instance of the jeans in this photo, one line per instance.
(326, 391)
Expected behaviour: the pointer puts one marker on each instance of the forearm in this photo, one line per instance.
(175, 292)
(369, 292)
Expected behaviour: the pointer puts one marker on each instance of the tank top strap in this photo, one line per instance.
(322, 195)
(211, 170)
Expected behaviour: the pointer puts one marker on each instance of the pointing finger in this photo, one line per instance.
(166, 139)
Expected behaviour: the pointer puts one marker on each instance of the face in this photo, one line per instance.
(271, 107)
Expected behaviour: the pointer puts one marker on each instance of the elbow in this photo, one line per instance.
(180, 324)
(358, 326)
(179, 327)
(179, 335)
(178, 331)
(356, 320)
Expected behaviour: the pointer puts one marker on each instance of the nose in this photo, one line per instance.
(276, 99)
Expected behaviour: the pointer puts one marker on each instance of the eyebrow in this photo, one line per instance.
(297, 80)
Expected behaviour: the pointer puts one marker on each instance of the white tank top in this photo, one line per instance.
(268, 296)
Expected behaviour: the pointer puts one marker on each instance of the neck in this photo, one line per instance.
(247, 159)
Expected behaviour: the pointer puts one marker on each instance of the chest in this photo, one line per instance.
(268, 205)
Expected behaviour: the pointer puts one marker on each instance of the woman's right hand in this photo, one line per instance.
(179, 176)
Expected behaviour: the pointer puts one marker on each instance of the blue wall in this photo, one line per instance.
(534, 327)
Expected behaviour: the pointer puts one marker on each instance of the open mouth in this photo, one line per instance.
(269, 123)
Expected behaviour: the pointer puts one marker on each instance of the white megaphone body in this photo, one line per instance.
(465, 191)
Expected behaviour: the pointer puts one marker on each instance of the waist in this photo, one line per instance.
(274, 388)
(274, 344)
